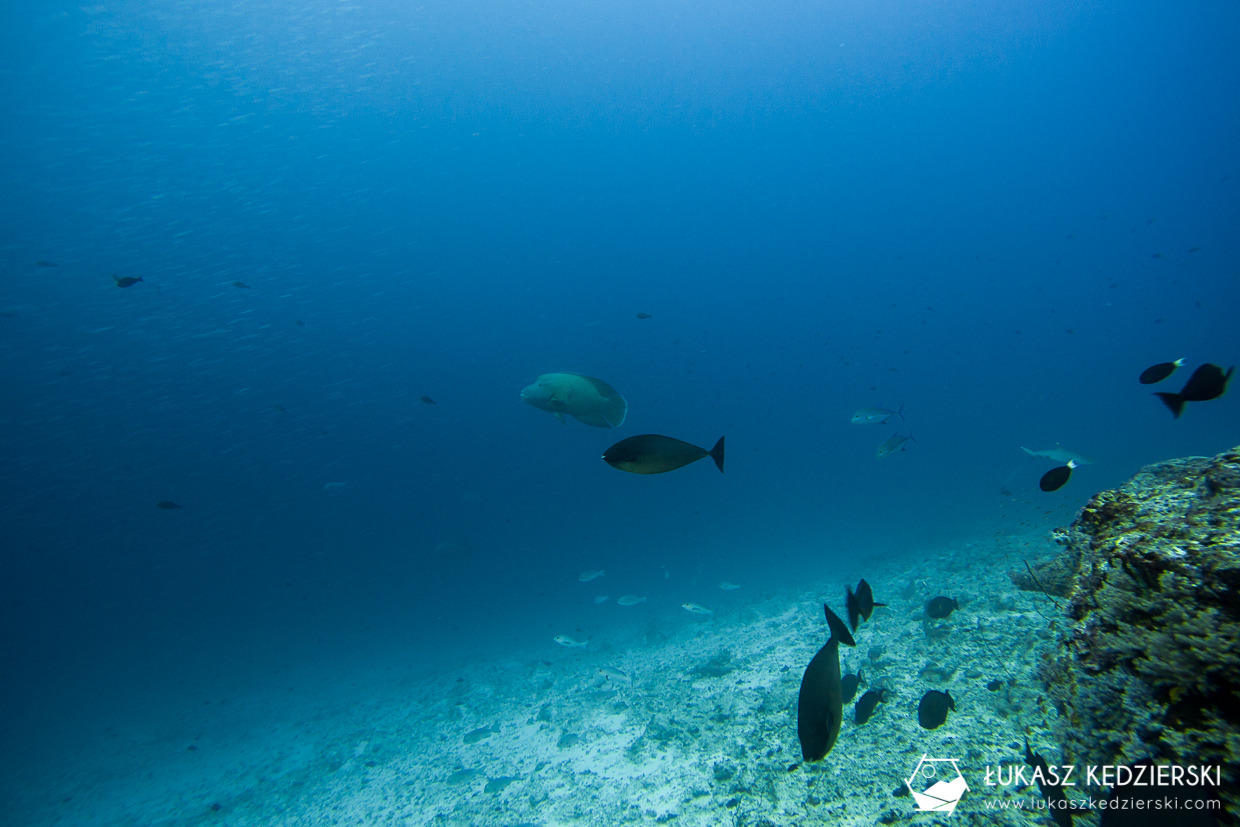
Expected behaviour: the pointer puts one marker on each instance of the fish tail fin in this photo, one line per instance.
(139, 278)
(1174, 401)
(716, 454)
(900, 413)
(837, 627)
(876, 605)
(615, 410)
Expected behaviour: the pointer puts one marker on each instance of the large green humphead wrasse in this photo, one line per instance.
(584, 398)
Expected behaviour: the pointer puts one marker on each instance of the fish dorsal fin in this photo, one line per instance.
(560, 416)
(602, 388)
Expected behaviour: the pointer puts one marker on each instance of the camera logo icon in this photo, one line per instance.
(940, 782)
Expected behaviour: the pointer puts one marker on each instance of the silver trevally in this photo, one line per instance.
(1059, 455)
(875, 416)
(894, 445)
(600, 598)
(696, 608)
(614, 675)
(584, 398)
(565, 640)
(587, 576)
(727, 587)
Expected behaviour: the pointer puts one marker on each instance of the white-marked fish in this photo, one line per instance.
(696, 608)
(875, 416)
(600, 598)
(630, 600)
(587, 576)
(1058, 454)
(565, 640)
(727, 587)
(894, 445)
(613, 675)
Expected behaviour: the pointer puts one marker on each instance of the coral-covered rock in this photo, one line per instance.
(1150, 666)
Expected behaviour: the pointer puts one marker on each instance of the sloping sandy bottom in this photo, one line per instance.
(703, 732)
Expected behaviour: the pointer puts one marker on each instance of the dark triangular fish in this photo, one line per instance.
(820, 705)
(125, 281)
(1207, 382)
(1158, 372)
(932, 711)
(426, 400)
(1135, 805)
(655, 454)
(1057, 478)
(241, 284)
(940, 607)
(848, 686)
(868, 703)
(166, 504)
(1056, 800)
(860, 605)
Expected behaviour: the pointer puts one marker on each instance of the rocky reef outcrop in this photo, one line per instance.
(1149, 665)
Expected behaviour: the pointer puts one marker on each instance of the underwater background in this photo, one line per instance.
(992, 216)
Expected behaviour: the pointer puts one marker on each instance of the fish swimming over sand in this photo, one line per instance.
(587, 576)
(861, 604)
(940, 607)
(849, 685)
(614, 675)
(728, 587)
(820, 703)
(584, 398)
(630, 600)
(875, 416)
(1058, 454)
(932, 710)
(656, 454)
(894, 445)
(696, 608)
(566, 641)
(1207, 382)
(867, 704)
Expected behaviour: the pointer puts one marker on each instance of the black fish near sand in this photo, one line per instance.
(1159, 372)
(849, 685)
(655, 454)
(860, 605)
(820, 704)
(125, 281)
(868, 703)
(1052, 792)
(1057, 478)
(940, 607)
(166, 505)
(932, 711)
(426, 400)
(1207, 382)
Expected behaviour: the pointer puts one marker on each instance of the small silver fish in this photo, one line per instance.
(727, 587)
(613, 675)
(565, 640)
(630, 600)
(600, 598)
(875, 416)
(894, 445)
(696, 608)
(587, 576)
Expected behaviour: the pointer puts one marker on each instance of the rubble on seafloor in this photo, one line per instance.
(1150, 665)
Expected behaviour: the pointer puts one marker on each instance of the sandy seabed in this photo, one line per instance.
(690, 721)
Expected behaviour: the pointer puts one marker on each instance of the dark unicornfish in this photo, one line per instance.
(1207, 382)
(1057, 478)
(932, 711)
(1051, 787)
(1159, 372)
(940, 607)
(125, 281)
(860, 605)
(655, 454)
(820, 705)
(868, 703)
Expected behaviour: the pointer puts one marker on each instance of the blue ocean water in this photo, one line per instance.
(992, 214)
